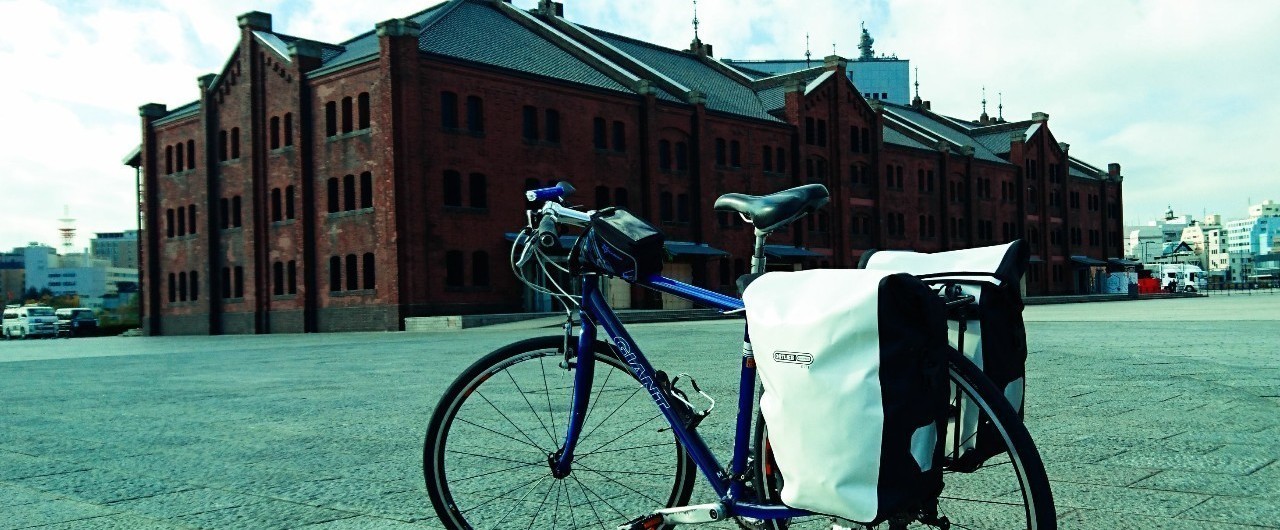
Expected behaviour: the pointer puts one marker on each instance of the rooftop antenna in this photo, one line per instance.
(806, 49)
(984, 100)
(68, 230)
(917, 82)
(1000, 95)
(695, 20)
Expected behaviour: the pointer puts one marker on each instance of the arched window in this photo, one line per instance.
(277, 210)
(168, 159)
(288, 129)
(599, 140)
(369, 275)
(277, 278)
(530, 129)
(720, 152)
(235, 211)
(191, 154)
(331, 118)
(552, 126)
(173, 287)
(664, 155)
(335, 273)
(366, 190)
(766, 158)
(293, 277)
(479, 191)
(602, 196)
(453, 268)
(682, 156)
(349, 192)
(449, 110)
(480, 268)
(275, 132)
(333, 194)
(194, 278)
(222, 146)
(475, 114)
(619, 136)
(191, 219)
(168, 225)
(182, 220)
(288, 202)
(352, 278)
(346, 115)
(238, 284)
(362, 107)
(224, 209)
(452, 188)
(235, 143)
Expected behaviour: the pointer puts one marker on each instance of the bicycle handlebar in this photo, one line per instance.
(560, 190)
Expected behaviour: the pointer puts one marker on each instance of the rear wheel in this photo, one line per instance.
(1008, 490)
(486, 455)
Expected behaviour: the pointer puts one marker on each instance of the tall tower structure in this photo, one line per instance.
(67, 228)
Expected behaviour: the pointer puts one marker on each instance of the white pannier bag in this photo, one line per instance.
(855, 388)
(990, 332)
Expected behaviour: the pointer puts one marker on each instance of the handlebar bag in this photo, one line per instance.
(855, 388)
(989, 332)
(620, 244)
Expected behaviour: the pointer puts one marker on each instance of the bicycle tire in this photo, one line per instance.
(507, 453)
(973, 510)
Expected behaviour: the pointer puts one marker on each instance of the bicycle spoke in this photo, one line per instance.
(502, 434)
(498, 471)
(601, 497)
(583, 455)
(615, 411)
(491, 457)
(513, 424)
(519, 390)
(633, 429)
(550, 412)
(629, 488)
(587, 497)
(596, 400)
(503, 494)
(538, 512)
(517, 503)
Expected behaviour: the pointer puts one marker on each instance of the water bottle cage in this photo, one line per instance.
(685, 411)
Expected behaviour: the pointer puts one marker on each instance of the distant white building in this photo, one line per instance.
(74, 274)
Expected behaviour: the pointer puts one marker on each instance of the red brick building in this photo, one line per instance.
(326, 187)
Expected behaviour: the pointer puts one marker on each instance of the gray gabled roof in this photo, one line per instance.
(190, 109)
(892, 136)
(918, 122)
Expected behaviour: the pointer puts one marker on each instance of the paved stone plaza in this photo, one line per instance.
(1149, 414)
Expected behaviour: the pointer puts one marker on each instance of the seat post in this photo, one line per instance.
(757, 258)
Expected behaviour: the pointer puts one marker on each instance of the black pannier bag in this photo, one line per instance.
(619, 244)
(855, 388)
(990, 332)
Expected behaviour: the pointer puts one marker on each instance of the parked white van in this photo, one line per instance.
(1181, 277)
(30, 321)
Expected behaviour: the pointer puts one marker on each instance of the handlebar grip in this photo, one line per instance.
(548, 233)
(561, 189)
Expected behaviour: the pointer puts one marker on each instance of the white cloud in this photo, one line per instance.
(1181, 92)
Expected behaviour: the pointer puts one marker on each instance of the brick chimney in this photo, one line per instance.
(1113, 169)
(255, 20)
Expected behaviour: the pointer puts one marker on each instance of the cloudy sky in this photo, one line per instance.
(1184, 94)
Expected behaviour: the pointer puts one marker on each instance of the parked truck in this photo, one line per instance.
(1179, 277)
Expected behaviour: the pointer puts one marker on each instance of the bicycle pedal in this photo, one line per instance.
(647, 522)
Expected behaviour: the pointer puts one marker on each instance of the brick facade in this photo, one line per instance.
(348, 198)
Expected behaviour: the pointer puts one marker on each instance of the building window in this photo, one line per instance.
(288, 129)
(366, 190)
(453, 188)
(191, 154)
(173, 287)
(766, 160)
(664, 155)
(362, 110)
(275, 132)
(169, 223)
(369, 275)
(224, 209)
(530, 123)
(780, 164)
(810, 132)
(347, 112)
(277, 210)
(480, 268)
(619, 136)
(222, 146)
(682, 156)
(235, 211)
(853, 139)
(191, 219)
(194, 278)
(235, 143)
(475, 114)
(598, 133)
(182, 220)
(333, 194)
(238, 284)
(288, 202)
(226, 282)
(292, 282)
(449, 110)
(822, 133)
(866, 140)
(335, 274)
(666, 210)
(453, 268)
(720, 152)
(682, 208)
(168, 159)
(479, 191)
(735, 154)
(352, 278)
(331, 119)
(277, 277)
(348, 192)
(552, 126)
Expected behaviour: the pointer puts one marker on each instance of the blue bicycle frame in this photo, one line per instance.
(727, 485)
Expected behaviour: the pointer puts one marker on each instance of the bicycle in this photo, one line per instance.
(502, 451)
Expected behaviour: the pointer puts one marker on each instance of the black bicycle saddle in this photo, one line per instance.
(774, 211)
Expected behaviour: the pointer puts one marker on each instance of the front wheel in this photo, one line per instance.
(1005, 491)
(486, 455)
